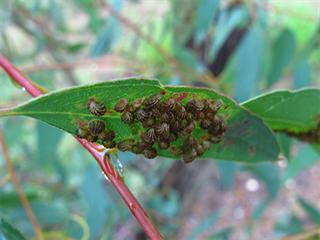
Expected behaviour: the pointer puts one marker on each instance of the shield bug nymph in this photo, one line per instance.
(125, 145)
(96, 126)
(121, 105)
(127, 117)
(150, 153)
(96, 107)
(151, 101)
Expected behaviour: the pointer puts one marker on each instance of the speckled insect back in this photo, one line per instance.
(96, 108)
(96, 126)
(164, 120)
(161, 122)
(96, 130)
(121, 105)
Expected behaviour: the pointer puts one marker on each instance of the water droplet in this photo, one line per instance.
(106, 177)
(118, 166)
(23, 89)
(132, 206)
(252, 185)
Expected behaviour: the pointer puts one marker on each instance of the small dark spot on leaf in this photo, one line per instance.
(252, 150)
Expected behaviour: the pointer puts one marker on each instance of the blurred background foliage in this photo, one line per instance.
(239, 47)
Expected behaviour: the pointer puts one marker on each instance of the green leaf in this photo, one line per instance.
(287, 225)
(312, 211)
(288, 111)
(285, 143)
(11, 199)
(302, 75)
(249, 64)
(245, 140)
(9, 232)
(283, 50)
(204, 18)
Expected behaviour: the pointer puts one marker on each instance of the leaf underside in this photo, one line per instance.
(247, 138)
(296, 113)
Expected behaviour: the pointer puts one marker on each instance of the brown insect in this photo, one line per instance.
(121, 105)
(168, 104)
(190, 156)
(96, 126)
(189, 129)
(137, 149)
(137, 104)
(172, 137)
(199, 149)
(205, 123)
(194, 105)
(125, 145)
(142, 115)
(96, 108)
(127, 117)
(214, 106)
(148, 123)
(107, 135)
(189, 143)
(109, 144)
(150, 153)
(164, 145)
(151, 101)
(91, 138)
(149, 136)
(163, 130)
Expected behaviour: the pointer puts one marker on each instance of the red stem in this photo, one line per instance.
(102, 159)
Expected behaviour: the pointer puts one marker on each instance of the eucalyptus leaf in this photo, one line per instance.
(283, 50)
(249, 63)
(311, 210)
(8, 232)
(285, 110)
(247, 138)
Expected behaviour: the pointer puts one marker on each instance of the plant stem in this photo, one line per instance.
(15, 75)
(24, 201)
(102, 159)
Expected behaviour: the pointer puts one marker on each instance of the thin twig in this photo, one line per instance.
(102, 159)
(24, 201)
(4, 180)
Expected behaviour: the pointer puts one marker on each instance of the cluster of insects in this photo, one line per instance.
(164, 120)
(95, 130)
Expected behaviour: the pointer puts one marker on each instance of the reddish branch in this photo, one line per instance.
(102, 159)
